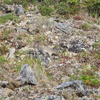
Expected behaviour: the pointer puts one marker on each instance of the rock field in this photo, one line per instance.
(48, 58)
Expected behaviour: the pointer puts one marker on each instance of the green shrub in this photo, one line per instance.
(13, 1)
(69, 7)
(93, 6)
(23, 2)
(89, 77)
(47, 2)
(90, 80)
(62, 8)
(74, 6)
(45, 10)
(19, 37)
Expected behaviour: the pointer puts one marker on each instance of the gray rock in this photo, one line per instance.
(64, 27)
(19, 10)
(51, 97)
(78, 84)
(11, 54)
(43, 56)
(27, 75)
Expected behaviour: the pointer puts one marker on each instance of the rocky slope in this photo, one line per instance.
(51, 58)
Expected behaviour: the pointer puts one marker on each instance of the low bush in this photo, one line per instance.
(45, 10)
(93, 7)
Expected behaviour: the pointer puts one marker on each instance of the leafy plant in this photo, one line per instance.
(23, 2)
(19, 37)
(93, 6)
(45, 10)
(74, 5)
(47, 2)
(62, 8)
(89, 77)
(90, 80)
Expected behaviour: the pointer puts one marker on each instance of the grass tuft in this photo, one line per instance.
(4, 19)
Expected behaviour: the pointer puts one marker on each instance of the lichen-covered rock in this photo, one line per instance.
(78, 45)
(78, 84)
(42, 55)
(27, 76)
(51, 97)
(65, 27)
(19, 10)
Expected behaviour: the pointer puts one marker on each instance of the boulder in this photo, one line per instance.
(43, 56)
(27, 76)
(78, 84)
(78, 45)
